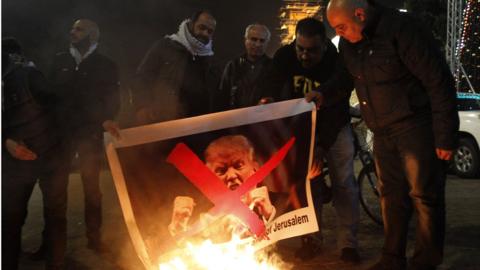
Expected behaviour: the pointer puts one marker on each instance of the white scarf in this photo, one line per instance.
(192, 44)
(78, 56)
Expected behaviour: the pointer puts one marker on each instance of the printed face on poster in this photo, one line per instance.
(241, 172)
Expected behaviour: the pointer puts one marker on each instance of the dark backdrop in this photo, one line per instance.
(129, 27)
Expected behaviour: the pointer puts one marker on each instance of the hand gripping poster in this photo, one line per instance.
(239, 174)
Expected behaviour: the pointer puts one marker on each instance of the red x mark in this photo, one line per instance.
(225, 201)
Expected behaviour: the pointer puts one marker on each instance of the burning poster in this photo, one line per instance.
(239, 174)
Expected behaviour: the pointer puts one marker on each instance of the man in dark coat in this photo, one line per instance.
(298, 68)
(87, 88)
(31, 150)
(240, 85)
(176, 78)
(407, 98)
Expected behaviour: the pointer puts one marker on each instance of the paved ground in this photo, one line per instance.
(462, 250)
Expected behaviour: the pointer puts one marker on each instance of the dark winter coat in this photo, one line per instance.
(27, 114)
(175, 83)
(240, 85)
(87, 95)
(401, 78)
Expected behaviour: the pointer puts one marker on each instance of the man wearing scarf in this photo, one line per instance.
(87, 91)
(176, 78)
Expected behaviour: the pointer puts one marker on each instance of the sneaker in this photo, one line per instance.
(310, 249)
(350, 255)
(38, 255)
(98, 246)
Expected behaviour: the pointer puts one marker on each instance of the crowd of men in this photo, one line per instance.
(404, 86)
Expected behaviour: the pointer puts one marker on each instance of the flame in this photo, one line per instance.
(292, 12)
(237, 254)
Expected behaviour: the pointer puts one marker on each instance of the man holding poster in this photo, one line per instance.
(300, 67)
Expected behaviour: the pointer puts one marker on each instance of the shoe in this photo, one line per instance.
(38, 255)
(98, 246)
(310, 248)
(350, 255)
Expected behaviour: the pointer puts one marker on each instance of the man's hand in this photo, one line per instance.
(112, 128)
(260, 200)
(182, 211)
(145, 116)
(444, 154)
(316, 169)
(316, 97)
(19, 150)
(265, 100)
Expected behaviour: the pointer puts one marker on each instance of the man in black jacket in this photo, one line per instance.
(241, 78)
(87, 88)
(176, 78)
(300, 67)
(31, 150)
(407, 98)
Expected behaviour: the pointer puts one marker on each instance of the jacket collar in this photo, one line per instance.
(375, 14)
(78, 56)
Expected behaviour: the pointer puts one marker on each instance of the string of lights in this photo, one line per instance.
(469, 47)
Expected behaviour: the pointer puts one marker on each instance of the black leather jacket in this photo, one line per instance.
(240, 85)
(401, 78)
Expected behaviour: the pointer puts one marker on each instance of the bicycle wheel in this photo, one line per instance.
(369, 196)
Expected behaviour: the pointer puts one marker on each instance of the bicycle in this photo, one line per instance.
(366, 178)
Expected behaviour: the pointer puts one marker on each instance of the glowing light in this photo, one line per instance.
(237, 254)
(292, 12)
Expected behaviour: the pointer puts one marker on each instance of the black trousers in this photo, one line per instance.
(18, 180)
(90, 152)
(411, 178)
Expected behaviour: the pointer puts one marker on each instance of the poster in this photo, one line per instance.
(241, 172)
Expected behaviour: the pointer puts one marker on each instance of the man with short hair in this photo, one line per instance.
(240, 85)
(408, 100)
(87, 88)
(299, 67)
(176, 78)
(31, 150)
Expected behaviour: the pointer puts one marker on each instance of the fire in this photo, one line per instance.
(237, 254)
(292, 12)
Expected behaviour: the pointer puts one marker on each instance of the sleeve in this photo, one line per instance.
(339, 86)
(275, 77)
(40, 88)
(145, 76)
(111, 90)
(224, 98)
(419, 53)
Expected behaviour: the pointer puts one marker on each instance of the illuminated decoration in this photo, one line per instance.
(469, 48)
(292, 11)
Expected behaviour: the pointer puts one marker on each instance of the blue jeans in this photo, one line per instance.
(344, 189)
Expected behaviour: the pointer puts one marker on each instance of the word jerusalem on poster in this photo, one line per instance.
(236, 174)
